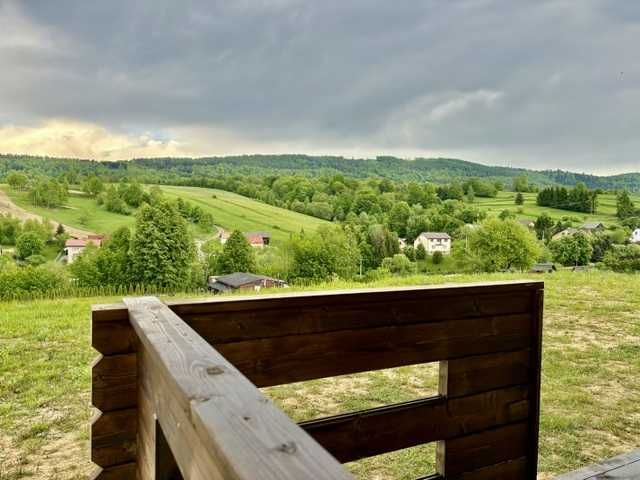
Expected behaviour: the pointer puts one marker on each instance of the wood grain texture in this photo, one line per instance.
(273, 361)
(464, 455)
(114, 382)
(119, 472)
(113, 437)
(370, 432)
(237, 426)
(111, 332)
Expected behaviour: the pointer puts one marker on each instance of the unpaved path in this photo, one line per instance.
(7, 206)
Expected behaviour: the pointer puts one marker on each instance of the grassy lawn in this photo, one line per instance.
(591, 381)
(229, 210)
(506, 201)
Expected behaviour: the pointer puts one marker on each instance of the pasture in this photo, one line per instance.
(590, 381)
(606, 211)
(230, 211)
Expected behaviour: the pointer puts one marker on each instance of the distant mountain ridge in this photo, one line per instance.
(437, 170)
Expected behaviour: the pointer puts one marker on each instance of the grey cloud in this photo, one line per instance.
(547, 83)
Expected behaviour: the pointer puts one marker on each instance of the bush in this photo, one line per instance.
(28, 244)
(573, 250)
(398, 264)
(623, 258)
(421, 253)
(36, 260)
(437, 258)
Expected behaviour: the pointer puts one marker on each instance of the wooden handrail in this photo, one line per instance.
(194, 366)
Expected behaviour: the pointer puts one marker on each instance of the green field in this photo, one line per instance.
(232, 211)
(606, 211)
(229, 210)
(590, 381)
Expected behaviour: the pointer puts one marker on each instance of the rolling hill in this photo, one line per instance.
(229, 210)
(438, 170)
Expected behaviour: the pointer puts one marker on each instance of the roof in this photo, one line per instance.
(255, 239)
(237, 279)
(75, 242)
(435, 235)
(543, 267)
(568, 231)
(592, 225)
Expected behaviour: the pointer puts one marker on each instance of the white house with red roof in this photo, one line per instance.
(75, 246)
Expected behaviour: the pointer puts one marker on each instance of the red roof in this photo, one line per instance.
(255, 239)
(75, 242)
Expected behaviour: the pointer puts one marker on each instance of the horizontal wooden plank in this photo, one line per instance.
(111, 332)
(114, 382)
(113, 438)
(512, 470)
(473, 452)
(273, 361)
(375, 431)
(623, 466)
(479, 373)
(258, 317)
(240, 428)
(119, 472)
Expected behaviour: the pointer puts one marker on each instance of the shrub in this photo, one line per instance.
(28, 244)
(623, 258)
(437, 258)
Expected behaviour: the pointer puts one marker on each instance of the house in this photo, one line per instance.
(75, 246)
(525, 222)
(243, 281)
(543, 268)
(264, 236)
(567, 232)
(434, 242)
(255, 241)
(402, 243)
(592, 227)
(635, 236)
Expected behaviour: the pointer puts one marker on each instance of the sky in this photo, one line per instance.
(544, 84)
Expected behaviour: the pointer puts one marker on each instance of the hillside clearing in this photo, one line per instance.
(591, 381)
(229, 210)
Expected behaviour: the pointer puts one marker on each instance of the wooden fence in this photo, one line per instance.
(176, 383)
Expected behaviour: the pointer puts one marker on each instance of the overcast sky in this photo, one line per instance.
(541, 84)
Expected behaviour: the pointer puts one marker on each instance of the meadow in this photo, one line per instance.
(606, 211)
(590, 381)
(229, 210)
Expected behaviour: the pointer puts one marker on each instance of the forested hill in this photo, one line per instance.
(437, 170)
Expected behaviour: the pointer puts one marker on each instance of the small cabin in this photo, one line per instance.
(242, 281)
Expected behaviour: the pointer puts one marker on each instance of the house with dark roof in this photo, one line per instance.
(242, 281)
(543, 268)
(592, 227)
(434, 242)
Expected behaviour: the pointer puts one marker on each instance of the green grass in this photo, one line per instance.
(590, 381)
(229, 210)
(98, 219)
(232, 211)
(606, 211)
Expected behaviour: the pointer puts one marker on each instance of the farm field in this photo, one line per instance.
(590, 381)
(229, 210)
(606, 212)
(98, 220)
(232, 211)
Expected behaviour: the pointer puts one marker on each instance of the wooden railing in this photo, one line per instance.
(177, 383)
